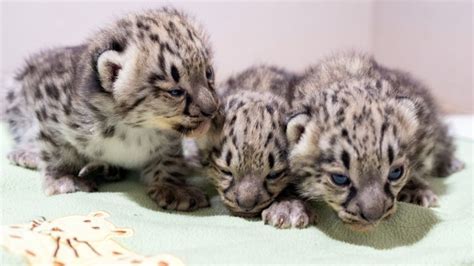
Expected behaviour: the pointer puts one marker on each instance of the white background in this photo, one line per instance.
(433, 40)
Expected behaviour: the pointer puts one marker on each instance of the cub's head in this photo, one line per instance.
(153, 70)
(247, 158)
(354, 149)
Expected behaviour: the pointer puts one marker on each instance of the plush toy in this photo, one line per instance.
(75, 240)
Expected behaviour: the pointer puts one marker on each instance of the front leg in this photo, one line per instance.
(60, 165)
(167, 187)
(417, 191)
(289, 212)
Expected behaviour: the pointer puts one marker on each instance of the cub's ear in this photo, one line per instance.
(109, 66)
(295, 126)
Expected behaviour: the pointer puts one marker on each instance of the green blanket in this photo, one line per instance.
(414, 235)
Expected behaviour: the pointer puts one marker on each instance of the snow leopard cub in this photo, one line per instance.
(363, 136)
(122, 99)
(246, 149)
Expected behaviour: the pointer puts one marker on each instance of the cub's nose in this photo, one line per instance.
(207, 102)
(246, 203)
(247, 194)
(371, 213)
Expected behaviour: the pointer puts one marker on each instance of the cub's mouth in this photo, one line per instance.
(245, 214)
(360, 225)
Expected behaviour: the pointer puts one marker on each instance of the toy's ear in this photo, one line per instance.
(109, 65)
(98, 214)
(295, 127)
(122, 232)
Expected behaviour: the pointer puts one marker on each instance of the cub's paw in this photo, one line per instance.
(67, 184)
(420, 196)
(101, 172)
(288, 213)
(23, 158)
(180, 197)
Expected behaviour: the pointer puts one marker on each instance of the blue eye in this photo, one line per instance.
(275, 175)
(176, 92)
(395, 174)
(340, 180)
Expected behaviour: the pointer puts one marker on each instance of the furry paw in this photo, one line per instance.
(24, 158)
(180, 197)
(288, 213)
(101, 171)
(421, 196)
(67, 184)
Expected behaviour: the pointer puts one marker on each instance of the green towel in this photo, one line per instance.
(414, 235)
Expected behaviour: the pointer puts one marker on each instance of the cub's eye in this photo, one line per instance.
(395, 173)
(340, 180)
(275, 175)
(177, 92)
(227, 173)
(209, 73)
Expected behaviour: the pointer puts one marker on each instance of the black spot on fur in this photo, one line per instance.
(52, 91)
(344, 133)
(67, 109)
(378, 84)
(109, 132)
(118, 46)
(135, 104)
(162, 62)
(269, 138)
(47, 138)
(154, 77)
(269, 108)
(187, 104)
(143, 26)
(54, 118)
(346, 159)
(271, 160)
(155, 38)
(175, 73)
(38, 94)
(228, 158)
(232, 121)
(326, 158)
(350, 196)
(390, 154)
(10, 96)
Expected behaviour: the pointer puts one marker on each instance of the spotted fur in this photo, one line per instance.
(356, 118)
(123, 98)
(246, 154)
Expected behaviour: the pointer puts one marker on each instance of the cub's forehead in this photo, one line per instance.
(167, 32)
(255, 120)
